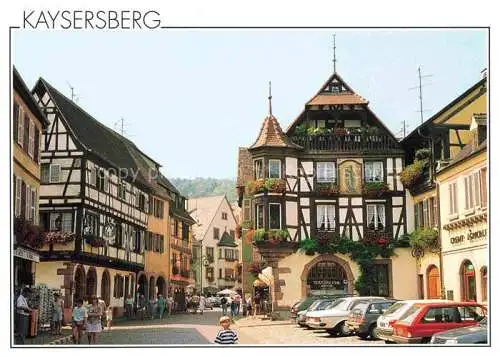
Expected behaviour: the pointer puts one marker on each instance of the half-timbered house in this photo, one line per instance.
(332, 176)
(431, 147)
(93, 201)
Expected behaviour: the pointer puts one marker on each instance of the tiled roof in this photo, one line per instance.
(337, 98)
(96, 137)
(271, 135)
(465, 153)
(181, 214)
(162, 180)
(245, 167)
(22, 90)
(203, 210)
(226, 240)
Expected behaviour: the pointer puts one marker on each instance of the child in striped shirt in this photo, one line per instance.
(226, 336)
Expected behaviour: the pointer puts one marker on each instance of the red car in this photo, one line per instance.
(423, 320)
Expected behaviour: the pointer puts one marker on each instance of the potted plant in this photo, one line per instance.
(375, 189)
(247, 224)
(412, 173)
(275, 185)
(327, 189)
(308, 246)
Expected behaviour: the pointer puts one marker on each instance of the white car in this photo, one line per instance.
(315, 306)
(383, 330)
(333, 319)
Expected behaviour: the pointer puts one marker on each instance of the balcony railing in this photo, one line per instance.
(180, 244)
(346, 143)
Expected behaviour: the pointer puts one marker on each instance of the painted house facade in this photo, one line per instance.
(464, 237)
(28, 124)
(93, 203)
(332, 177)
(430, 148)
(215, 232)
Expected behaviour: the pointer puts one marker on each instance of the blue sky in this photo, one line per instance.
(190, 98)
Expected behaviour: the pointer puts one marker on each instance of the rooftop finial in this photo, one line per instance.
(270, 104)
(334, 55)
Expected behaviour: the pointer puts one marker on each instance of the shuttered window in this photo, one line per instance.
(31, 139)
(33, 206)
(15, 116)
(452, 192)
(23, 199)
(484, 191)
(37, 146)
(425, 213)
(26, 134)
(17, 204)
(477, 189)
(20, 127)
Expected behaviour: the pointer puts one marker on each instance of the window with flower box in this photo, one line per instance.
(258, 169)
(274, 168)
(274, 216)
(62, 221)
(259, 215)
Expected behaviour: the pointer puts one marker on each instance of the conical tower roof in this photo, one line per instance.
(271, 134)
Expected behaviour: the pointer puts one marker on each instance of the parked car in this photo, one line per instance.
(423, 320)
(383, 331)
(213, 301)
(362, 320)
(304, 303)
(320, 304)
(463, 335)
(333, 319)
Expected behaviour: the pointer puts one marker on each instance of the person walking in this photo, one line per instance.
(79, 319)
(170, 303)
(237, 300)
(249, 307)
(256, 305)
(22, 314)
(161, 305)
(102, 305)
(141, 306)
(109, 317)
(57, 314)
(233, 307)
(94, 322)
(223, 304)
(226, 336)
(202, 304)
(129, 306)
(152, 307)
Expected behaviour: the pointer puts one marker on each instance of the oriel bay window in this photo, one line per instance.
(274, 168)
(258, 169)
(274, 216)
(91, 225)
(325, 172)
(61, 222)
(374, 171)
(375, 217)
(259, 216)
(325, 217)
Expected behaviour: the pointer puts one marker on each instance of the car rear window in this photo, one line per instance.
(394, 307)
(323, 305)
(410, 315)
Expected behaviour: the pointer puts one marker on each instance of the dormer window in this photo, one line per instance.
(274, 168)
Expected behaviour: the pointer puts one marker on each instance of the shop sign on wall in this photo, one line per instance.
(471, 236)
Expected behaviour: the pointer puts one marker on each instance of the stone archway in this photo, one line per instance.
(333, 262)
(142, 285)
(161, 285)
(152, 287)
(105, 287)
(79, 279)
(91, 283)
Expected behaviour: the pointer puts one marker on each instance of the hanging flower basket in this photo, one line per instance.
(58, 237)
(412, 173)
(327, 189)
(94, 241)
(375, 189)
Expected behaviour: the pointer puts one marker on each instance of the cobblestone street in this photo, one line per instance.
(196, 329)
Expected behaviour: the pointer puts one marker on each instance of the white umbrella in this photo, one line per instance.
(226, 292)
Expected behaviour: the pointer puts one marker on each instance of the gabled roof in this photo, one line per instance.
(162, 180)
(467, 152)
(271, 135)
(181, 214)
(226, 240)
(96, 137)
(22, 90)
(457, 100)
(336, 91)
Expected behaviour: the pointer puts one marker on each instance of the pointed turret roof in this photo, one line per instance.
(271, 134)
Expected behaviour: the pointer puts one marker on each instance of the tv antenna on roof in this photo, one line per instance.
(73, 95)
(419, 87)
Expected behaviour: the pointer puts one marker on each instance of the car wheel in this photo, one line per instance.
(343, 329)
(387, 342)
(426, 340)
(372, 332)
(332, 332)
(363, 336)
